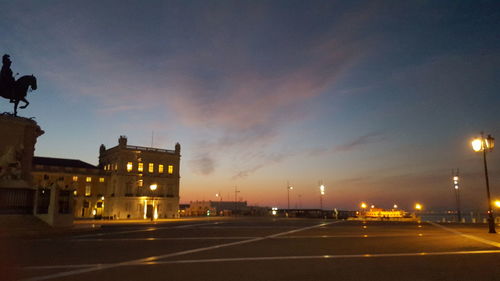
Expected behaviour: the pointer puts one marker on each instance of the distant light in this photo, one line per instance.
(418, 206)
(153, 186)
(363, 205)
(372, 206)
(455, 178)
(322, 189)
(456, 186)
(395, 206)
(477, 145)
(497, 203)
(102, 197)
(217, 195)
(94, 212)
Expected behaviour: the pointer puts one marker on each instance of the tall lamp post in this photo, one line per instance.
(457, 193)
(483, 144)
(288, 188)
(154, 214)
(321, 193)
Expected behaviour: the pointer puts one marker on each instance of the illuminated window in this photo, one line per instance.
(87, 190)
(75, 193)
(109, 167)
(75, 178)
(129, 166)
(116, 167)
(140, 182)
(101, 179)
(160, 168)
(170, 169)
(151, 167)
(88, 179)
(140, 168)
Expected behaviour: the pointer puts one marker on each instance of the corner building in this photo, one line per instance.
(142, 182)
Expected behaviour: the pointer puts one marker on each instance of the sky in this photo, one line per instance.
(378, 100)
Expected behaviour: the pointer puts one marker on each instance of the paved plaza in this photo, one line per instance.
(259, 249)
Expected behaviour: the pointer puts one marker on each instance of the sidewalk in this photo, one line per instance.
(29, 227)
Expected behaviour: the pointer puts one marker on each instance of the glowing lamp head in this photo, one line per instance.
(395, 206)
(363, 205)
(153, 187)
(497, 203)
(418, 206)
(477, 145)
(322, 189)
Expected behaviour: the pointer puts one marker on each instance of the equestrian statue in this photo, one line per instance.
(12, 89)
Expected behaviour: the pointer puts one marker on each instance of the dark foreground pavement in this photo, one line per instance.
(259, 249)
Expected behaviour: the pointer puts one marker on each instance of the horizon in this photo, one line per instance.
(378, 101)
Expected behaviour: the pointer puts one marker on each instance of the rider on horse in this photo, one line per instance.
(6, 78)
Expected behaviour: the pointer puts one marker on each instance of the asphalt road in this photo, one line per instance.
(260, 249)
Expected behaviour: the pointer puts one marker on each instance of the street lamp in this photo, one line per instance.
(483, 144)
(457, 193)
(418, 207)
(288, 188)
(363, 205)
(497, 203)
(154, 215)
(395, 206)
(321, 193)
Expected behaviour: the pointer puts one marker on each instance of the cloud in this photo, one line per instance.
(360, 141)
(203, 164)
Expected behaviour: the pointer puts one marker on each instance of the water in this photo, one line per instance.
(467, 217)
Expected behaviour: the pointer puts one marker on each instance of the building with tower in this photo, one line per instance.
(130, 182)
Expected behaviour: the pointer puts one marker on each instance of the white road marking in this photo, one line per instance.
(154, 258)
(472, 237)
(249, 237)
(325, 257)
(152, 228)
(447, 253)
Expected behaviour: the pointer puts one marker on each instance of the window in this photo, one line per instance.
(160, 168)
(151, 167)
(140, 168)
(87, 190)
(101, 179)
(140, 182)
(116, 167)
(75, 178)
(88, 179)
(170, 169)
(129, 166)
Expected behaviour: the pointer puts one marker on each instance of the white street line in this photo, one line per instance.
(154, 258)
(279, 258)
(166, 238)
(248, 237)
(472, 237)
(324, 257)
(152, 228)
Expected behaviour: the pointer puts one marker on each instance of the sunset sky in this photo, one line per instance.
(378, 99)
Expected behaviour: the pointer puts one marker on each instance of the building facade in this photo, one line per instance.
(130, 182)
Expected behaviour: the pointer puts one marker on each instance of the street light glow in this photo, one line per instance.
(497, 203)
(418, 206)
(153, 187)
(322, 189)
(395, 206)
(363, 205)
(477, 145)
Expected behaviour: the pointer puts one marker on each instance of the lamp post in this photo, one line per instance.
(457, 193)
(321, 193)
(288, 188)
(483, 144)
(154, 212)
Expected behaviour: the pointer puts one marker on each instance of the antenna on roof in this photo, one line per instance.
(152, 137)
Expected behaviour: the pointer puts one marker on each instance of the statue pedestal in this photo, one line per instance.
(17, 145)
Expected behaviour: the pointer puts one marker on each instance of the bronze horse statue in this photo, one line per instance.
(19, 91)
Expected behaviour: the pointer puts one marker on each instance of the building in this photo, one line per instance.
(382, 213)
(130, 182)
